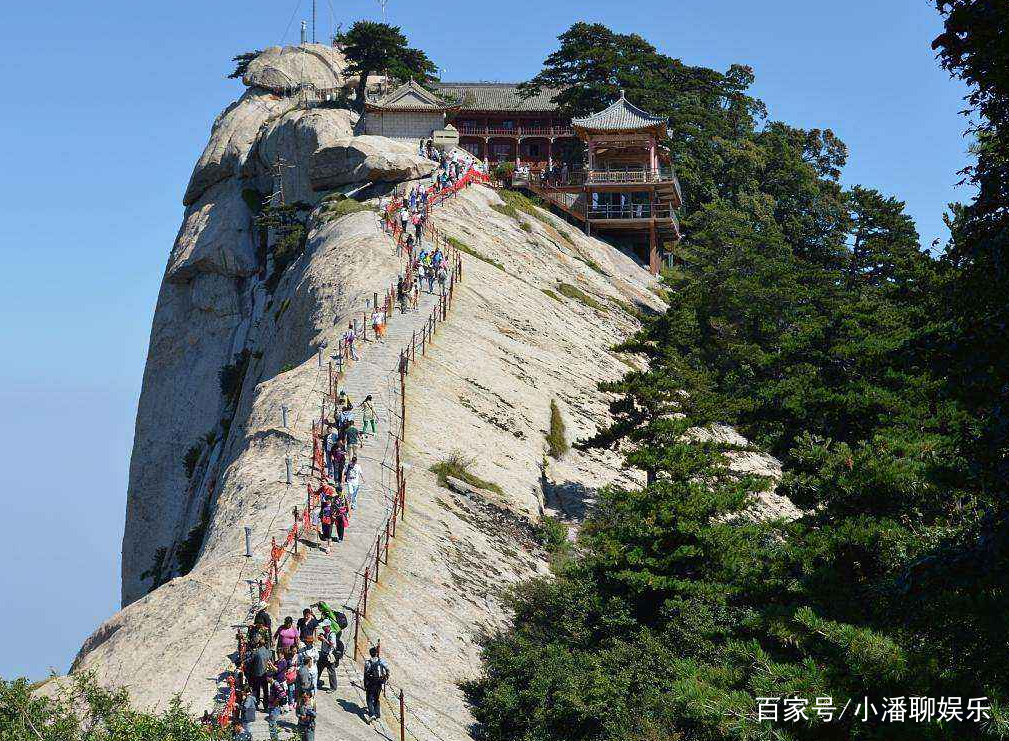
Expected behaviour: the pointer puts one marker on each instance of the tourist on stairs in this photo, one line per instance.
(368, 415)
(307, 625)
(355, 477)
(376, 674)
(326, 523)
(258, 670)
(328, 658)
(247, 715)
(286, 635)
(308, 678)
(341, 514)
(306, 718)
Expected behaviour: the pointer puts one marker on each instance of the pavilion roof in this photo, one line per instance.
(622, 115)
(497, 96)
(409, 97)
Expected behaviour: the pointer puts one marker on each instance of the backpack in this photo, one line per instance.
(280, 693)
(375, 672)
(341, 620)
(305, 679)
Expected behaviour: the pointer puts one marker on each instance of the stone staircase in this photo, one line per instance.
(337, 577)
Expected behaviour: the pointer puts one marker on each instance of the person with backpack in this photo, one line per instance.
(337, 462)
(330, 652)
(336, 620)
(353, 438)
(442, 279)
(401, 294)
(350, 337)
(376, 674)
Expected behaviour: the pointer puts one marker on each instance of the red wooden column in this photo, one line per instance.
(653, 248)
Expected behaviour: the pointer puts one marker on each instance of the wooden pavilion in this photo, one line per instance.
(628, 186)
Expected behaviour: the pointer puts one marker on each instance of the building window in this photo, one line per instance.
(501, 150)
(534, 150)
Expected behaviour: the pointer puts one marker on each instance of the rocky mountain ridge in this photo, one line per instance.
(533, 323)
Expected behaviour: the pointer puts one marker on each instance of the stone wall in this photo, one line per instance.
(413, 125)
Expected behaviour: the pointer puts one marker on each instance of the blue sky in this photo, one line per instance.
(107, 106)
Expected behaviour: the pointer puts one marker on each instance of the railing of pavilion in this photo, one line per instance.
(477, 130)
(631, 211)
(608, 176)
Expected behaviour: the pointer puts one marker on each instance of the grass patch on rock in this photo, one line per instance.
(333, 208)
(551, 294)
(463, 247)
(458, 465)
(557, 441)
(516, 202)
(566, 289)
(591, 263)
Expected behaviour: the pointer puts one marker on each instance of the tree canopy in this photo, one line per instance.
(807, 316)
(371, 47)
(83, 711)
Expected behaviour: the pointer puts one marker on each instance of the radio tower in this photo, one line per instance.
(383, 3)
(313, 21)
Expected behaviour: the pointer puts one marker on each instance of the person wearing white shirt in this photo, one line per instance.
(354, 479)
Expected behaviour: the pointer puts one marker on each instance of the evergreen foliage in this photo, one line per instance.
(557, 438)
(83, 711)
(808, 317)
(242, 63)
(372, 47)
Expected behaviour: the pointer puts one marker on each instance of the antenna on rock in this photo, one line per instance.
(313, 21)
(304, 31)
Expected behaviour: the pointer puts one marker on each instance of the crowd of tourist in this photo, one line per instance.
(285, 669)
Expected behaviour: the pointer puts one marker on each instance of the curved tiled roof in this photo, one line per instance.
(621, 115)
(409, 97)
(496, 96)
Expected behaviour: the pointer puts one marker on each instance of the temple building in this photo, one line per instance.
(496, 124)
(628, 188)
(609, 171)
(412, 113)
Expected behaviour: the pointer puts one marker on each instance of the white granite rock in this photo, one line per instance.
(279, 69)
(363, 159)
